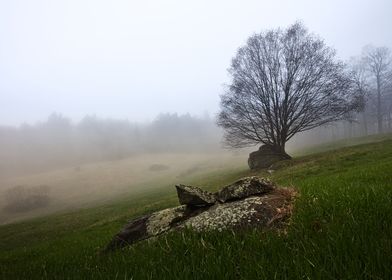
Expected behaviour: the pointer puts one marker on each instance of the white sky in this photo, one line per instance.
(135, 59)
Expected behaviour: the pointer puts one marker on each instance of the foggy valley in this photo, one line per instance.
(195, 139)
(97, 160)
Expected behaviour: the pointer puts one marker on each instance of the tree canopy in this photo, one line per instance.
(283, 82)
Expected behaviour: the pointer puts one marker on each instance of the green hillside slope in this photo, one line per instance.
(341, 229)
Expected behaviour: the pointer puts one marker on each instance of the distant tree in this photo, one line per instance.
(378, 61)
(361, 87)
(283, 82)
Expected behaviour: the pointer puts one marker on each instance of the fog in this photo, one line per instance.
(100, 99)
(57, 165)
(57, 142)
(135, 59)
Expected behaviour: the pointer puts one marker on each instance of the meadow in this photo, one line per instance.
(341, 227)
(98, 183)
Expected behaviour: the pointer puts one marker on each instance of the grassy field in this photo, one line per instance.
(341, 229)
(104, 182)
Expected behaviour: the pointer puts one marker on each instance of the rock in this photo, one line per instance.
(194, 196)
(244, 187)
(265, 157)
(258, 204)
(147, 226)
(257, 211)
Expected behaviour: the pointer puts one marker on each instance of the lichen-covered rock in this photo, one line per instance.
(257, 211)
(251, 201)
(244, 187)
(194, 196)
(265, 157)
(161, 221)
(148, 226)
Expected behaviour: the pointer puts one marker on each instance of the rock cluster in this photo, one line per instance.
(250, 201)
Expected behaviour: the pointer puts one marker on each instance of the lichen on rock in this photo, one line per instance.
(161, 221)
(244, 187)
(224, 216)
(248, 202)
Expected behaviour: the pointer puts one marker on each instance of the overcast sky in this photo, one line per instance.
(135, 59)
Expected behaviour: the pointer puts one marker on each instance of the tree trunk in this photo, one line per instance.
(348, 129)
(280, 149)
(333, 136)
(379, 115)
(365, 128)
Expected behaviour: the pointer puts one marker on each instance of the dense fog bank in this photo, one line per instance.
(59, 142)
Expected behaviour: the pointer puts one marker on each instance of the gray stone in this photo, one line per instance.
(265, 157)
(256, 211)
(147, 226)
(244, 187)
(194, 196)
(265, 207)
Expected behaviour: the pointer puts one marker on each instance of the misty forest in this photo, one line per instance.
(196, 140)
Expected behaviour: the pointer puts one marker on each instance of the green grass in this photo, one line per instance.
(341, 229)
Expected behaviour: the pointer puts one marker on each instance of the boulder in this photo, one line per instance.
(265, 157)
(244, 187)
(147, 226)
(258, 204)
(194, 196)
(257, 211)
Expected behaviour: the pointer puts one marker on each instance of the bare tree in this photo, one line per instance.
(361, 87)
(283, 82)
(378, 61)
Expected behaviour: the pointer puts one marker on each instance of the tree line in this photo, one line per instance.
(372, 76)
(60, 142)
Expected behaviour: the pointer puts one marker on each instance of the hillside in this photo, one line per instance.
(102, 182)
(341, 229)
